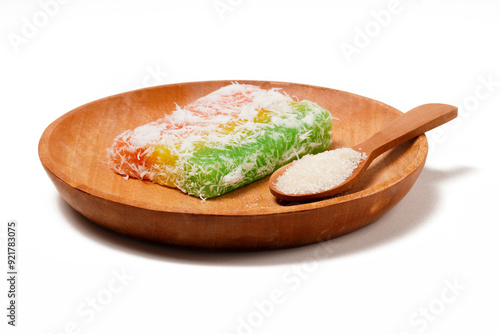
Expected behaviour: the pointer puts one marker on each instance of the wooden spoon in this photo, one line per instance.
(409, 125)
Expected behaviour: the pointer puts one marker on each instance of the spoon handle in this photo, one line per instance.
(411, 124)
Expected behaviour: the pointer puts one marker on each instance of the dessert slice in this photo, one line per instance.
(222, 141)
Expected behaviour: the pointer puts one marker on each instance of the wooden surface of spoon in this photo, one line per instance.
(409, 125)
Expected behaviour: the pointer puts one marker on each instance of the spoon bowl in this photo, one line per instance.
(409, 125)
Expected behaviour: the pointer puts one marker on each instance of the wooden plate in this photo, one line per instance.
(73, 152)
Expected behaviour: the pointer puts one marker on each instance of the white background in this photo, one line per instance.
(429, 266)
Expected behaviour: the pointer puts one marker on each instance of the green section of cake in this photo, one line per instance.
(212, 171)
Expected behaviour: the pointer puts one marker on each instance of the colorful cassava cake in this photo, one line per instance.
(222, 141)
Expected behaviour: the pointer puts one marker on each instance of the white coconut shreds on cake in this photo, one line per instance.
(222, 141)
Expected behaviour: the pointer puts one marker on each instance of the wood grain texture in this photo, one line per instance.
(73, 152)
